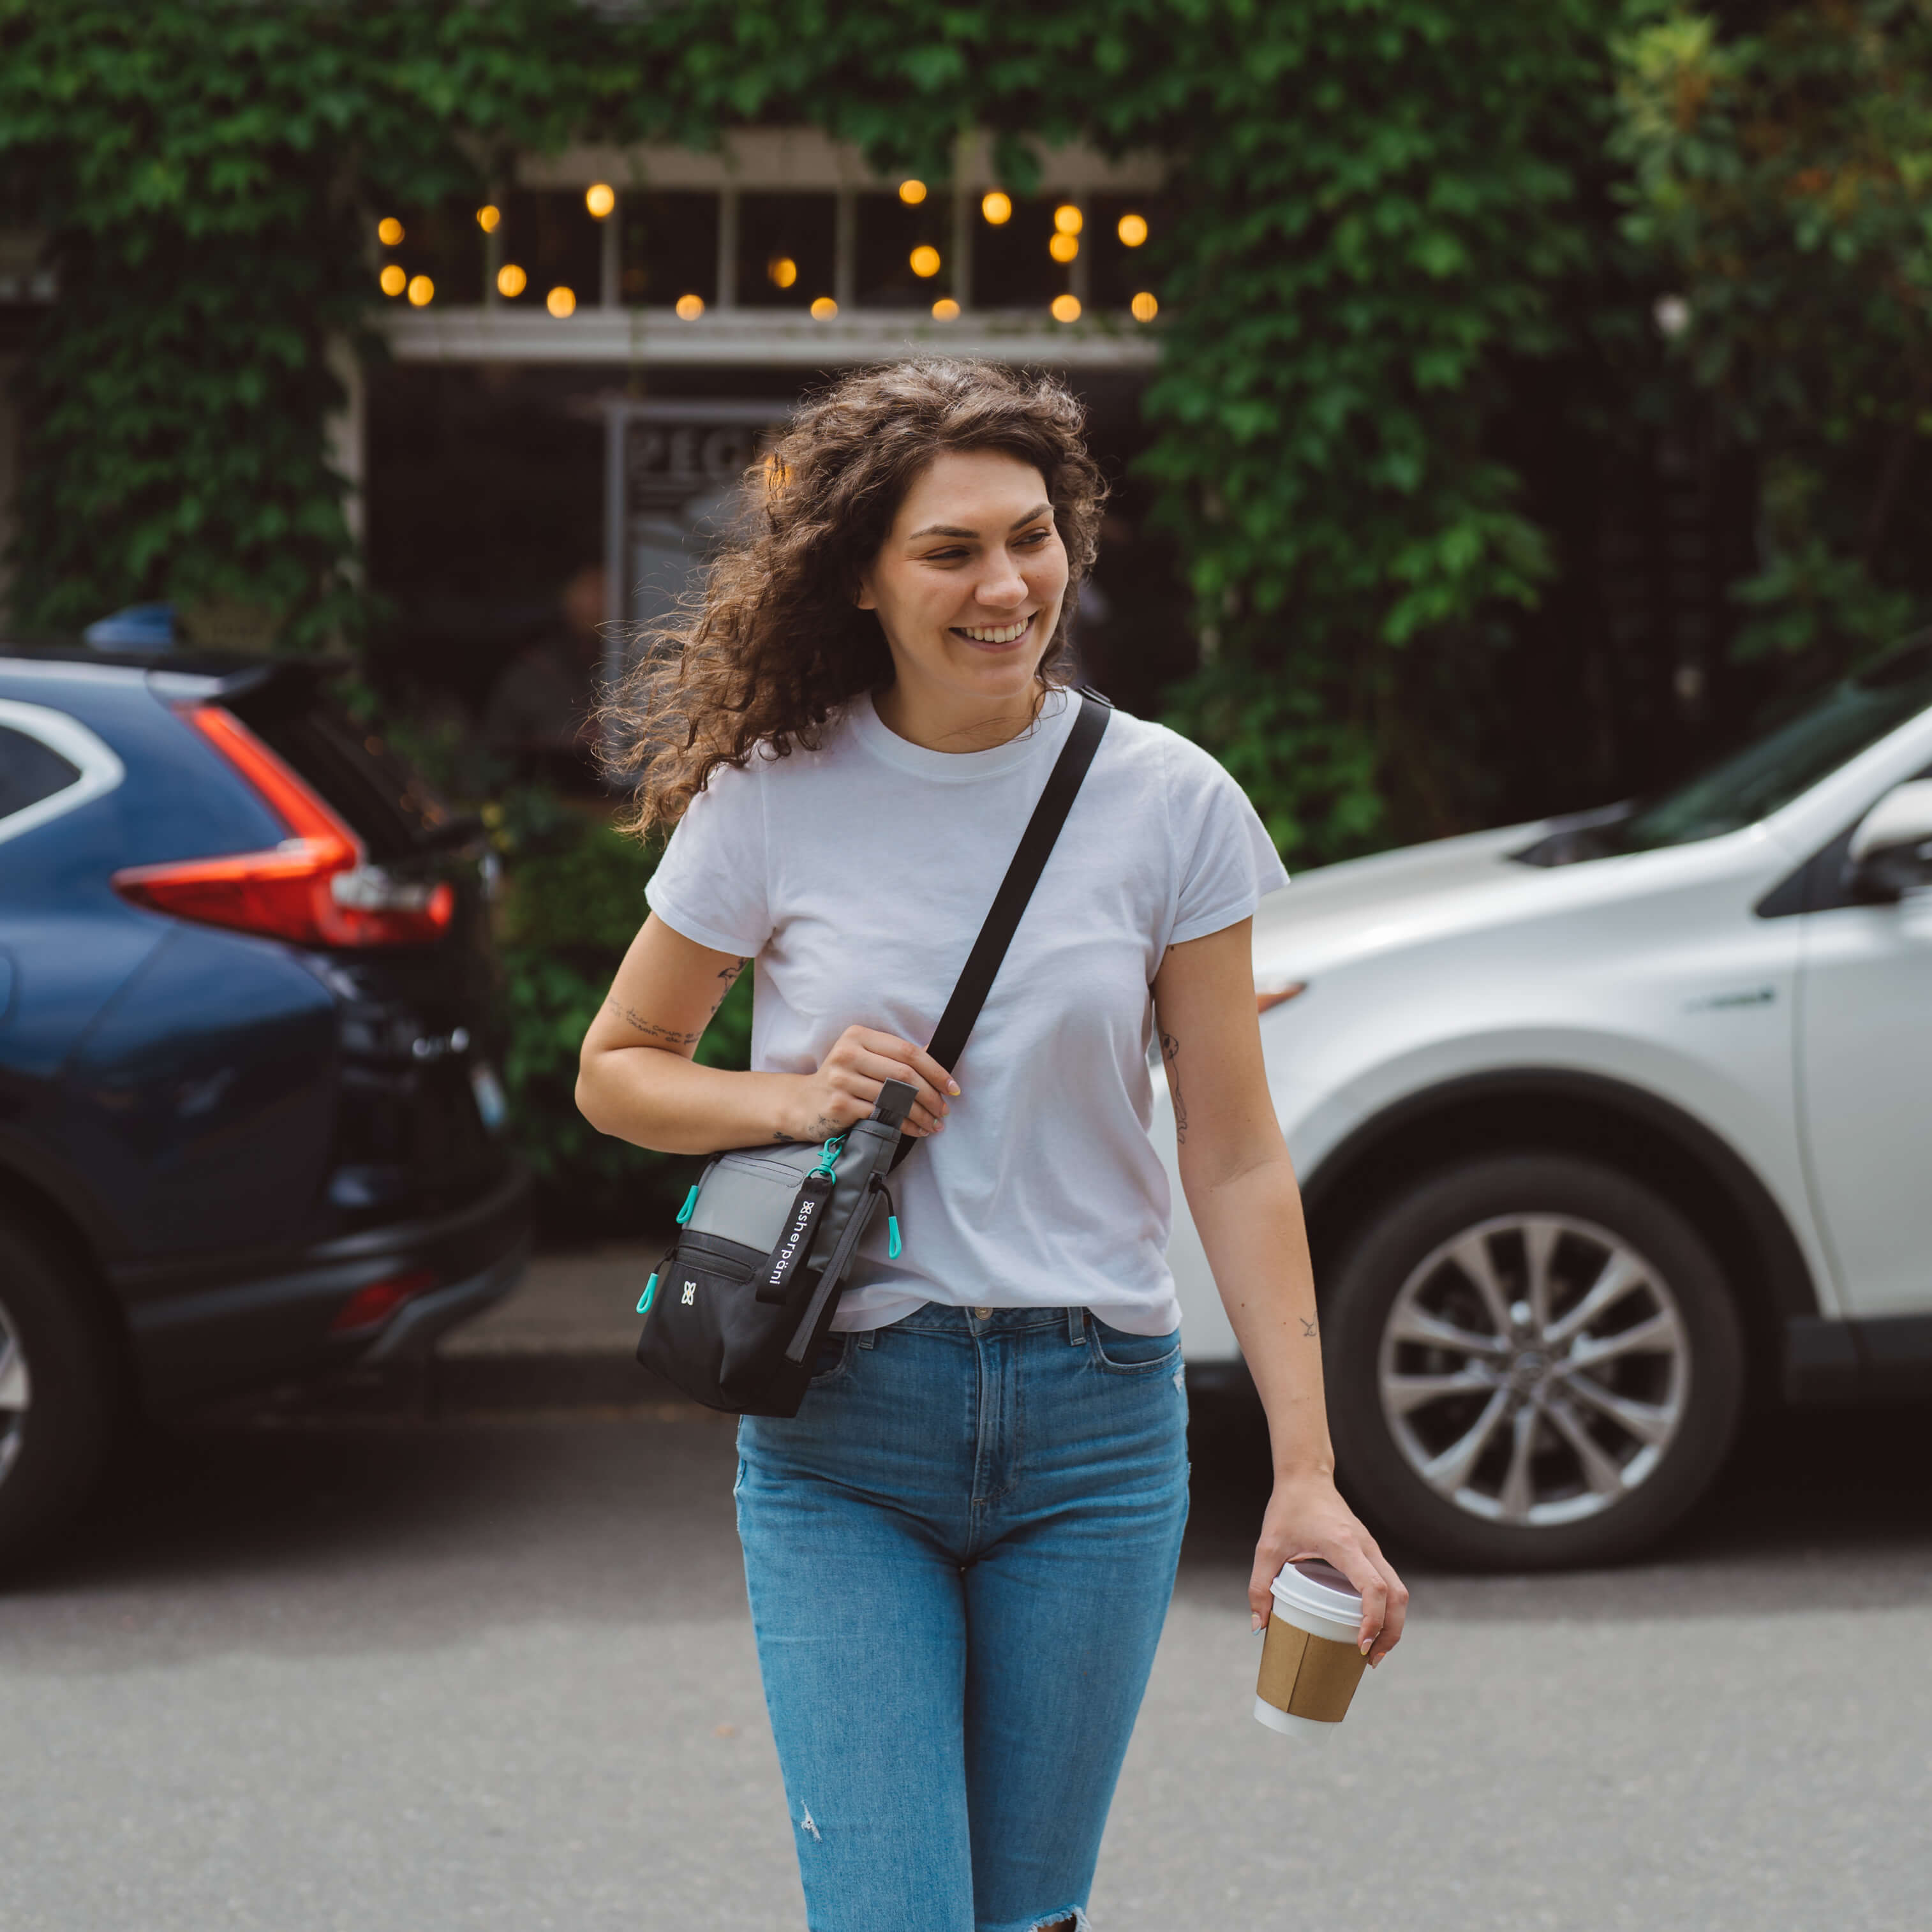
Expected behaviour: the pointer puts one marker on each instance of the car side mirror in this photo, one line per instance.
(1891, 851)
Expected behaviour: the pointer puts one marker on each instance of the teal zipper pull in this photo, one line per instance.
(649, 1295)
(690, 1202)
(892, 1243)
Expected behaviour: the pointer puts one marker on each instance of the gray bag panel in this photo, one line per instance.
(746, 1195)
(867, 1150)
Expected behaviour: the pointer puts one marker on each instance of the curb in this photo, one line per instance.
(481, 1387)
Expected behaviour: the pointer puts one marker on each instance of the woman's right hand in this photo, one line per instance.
(846, 1087)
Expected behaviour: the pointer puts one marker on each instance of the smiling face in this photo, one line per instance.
(968, 586)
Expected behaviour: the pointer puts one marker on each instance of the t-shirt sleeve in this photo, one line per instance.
(712, 883)
(1225, 862)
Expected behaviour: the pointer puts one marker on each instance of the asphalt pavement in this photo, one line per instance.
(472, 1653)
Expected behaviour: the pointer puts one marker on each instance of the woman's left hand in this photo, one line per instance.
(1306, 1517)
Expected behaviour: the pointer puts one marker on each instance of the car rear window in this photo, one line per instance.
(387, 804)
(30, 771)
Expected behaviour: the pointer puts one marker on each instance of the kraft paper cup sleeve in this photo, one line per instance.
(1308, 1676)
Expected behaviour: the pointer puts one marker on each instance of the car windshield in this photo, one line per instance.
(1772, 771)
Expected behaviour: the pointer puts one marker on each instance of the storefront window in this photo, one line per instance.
(903, 248)
(442, 244)
(786, 245)
(554, 239)
(669, 247)
(1121, 268)
(1013, 265)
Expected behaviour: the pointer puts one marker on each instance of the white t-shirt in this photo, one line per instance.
(857, 877)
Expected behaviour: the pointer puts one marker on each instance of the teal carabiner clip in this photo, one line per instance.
(828, 1157)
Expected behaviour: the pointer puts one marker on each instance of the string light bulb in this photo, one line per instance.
(489, 219)
(389, 231)
(511, 281)
(1068, 219)
(925, 260)
(1144, 307)
(782, 270)
(997, 207)
(946, 309)
(561, 302)
(600, 197)
(690, 307)
(1062, 247)
(392, 279)
(1067, 308)
(422, 292)
(912, 192)
(1133, 230)
(823, 309)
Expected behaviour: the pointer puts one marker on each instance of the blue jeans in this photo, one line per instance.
(960, 1553)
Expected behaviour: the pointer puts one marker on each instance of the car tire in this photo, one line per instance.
(57, 1391)
(1599, 1436)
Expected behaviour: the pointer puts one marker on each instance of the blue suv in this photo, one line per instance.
(250, 1127)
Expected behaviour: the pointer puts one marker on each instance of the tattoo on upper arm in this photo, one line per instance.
(668, 1035)
(1170, 1050)
(729, 976)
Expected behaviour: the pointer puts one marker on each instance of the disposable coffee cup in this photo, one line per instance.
(1310, 1663)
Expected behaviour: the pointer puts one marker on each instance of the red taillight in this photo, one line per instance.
(369, 1307)
(317, 887)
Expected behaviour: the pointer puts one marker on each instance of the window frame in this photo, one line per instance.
(100, 771)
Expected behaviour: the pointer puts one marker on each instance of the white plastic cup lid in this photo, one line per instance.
(1312, 1589)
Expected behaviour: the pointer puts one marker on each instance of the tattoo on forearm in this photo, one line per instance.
(1170, 1050)
(649, 1028)
(1307, 1324)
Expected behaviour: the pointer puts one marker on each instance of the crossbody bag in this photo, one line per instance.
(736, 1311)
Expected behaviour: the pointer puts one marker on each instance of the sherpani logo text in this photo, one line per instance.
(781, 1255)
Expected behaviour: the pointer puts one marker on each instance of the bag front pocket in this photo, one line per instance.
(708, 1334)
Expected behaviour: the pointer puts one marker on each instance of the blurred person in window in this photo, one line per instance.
(538, 715)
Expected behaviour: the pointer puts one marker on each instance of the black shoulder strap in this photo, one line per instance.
(1029, 861)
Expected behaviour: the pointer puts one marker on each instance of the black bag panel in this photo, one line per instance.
(709, 1335)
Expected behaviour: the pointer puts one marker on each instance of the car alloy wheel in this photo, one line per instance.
(1534, 1359)
(17, 1393)
(1534, 1369)
(59, 1394)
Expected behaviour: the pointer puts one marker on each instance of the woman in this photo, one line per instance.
(960, 1553)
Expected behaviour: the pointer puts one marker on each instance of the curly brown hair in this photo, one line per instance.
(775, 643)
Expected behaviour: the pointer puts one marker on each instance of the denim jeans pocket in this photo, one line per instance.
(834, 1358)
(1121, 1354)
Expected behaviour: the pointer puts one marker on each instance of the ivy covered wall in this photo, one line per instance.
(1463, 291)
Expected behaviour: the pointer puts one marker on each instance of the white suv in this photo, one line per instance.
(1607, 1124)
